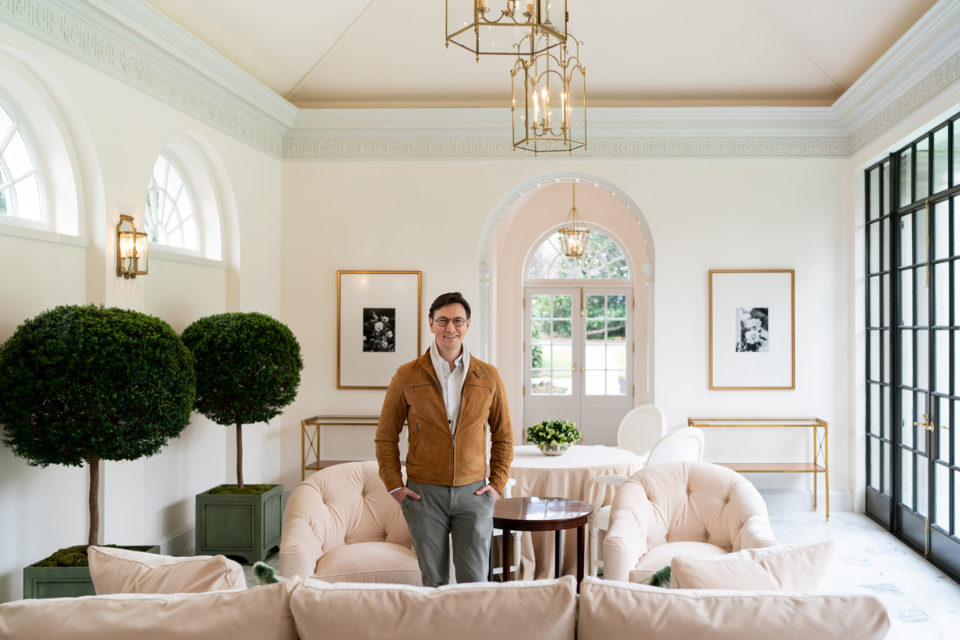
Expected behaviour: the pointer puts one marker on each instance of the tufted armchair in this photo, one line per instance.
(691, 509)
(341, 525)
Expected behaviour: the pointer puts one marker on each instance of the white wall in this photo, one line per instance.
(703, 214)
(114, 133)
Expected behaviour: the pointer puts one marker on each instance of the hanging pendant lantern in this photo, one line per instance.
(549, 106)
(573, 233)
(483, 30)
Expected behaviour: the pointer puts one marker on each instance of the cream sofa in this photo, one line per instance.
(341, 525)
(691, 509)
(538, 610)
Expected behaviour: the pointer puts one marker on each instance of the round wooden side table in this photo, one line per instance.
(542, 514)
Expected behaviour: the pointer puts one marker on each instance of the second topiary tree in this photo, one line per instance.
(248, 369)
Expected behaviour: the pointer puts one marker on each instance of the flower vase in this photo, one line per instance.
(554, 448)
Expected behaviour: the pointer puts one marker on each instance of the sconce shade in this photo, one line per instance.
(131, 250)
(478, 27)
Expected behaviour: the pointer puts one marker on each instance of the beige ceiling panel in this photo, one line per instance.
(639, 51)
(275, 42)
(844, 38)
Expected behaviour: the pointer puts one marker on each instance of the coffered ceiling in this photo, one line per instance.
(388, 53)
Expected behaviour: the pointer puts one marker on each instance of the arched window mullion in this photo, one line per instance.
(599, 261)
(6, 140)
(169, 225)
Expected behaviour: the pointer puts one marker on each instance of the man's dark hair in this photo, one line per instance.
(449, 298)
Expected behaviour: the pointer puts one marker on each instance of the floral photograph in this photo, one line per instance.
(379, 327)
(753, 330)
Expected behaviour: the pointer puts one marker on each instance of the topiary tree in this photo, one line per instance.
(248, 370)
(81, 384)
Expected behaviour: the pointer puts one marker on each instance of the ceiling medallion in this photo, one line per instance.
(473, 25)
(573, 233)
(549, 105)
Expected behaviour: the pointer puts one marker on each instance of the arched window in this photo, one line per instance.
(19, 172)
(170, 216)
(601, 260)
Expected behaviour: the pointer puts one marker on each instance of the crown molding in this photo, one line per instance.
(100, 33)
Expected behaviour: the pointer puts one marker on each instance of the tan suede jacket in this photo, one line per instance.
(435, 456)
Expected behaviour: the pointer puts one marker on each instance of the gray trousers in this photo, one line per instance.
(444, 511)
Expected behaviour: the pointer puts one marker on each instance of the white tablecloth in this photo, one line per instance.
(568, 476)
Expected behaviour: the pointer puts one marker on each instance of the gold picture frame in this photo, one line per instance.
(366, 365)
(776, 364)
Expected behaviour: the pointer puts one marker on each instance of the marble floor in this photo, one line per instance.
(923, 603)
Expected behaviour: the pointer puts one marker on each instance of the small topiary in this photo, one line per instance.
(248, 370)
(81, 384)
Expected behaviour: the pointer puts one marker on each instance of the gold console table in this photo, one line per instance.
(310, 439)
(819, 465)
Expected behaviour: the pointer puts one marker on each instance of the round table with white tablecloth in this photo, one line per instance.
(568, 476)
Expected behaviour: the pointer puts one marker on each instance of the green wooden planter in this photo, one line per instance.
(244, 527)
(63, 582)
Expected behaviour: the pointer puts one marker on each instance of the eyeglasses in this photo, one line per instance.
(457, 322)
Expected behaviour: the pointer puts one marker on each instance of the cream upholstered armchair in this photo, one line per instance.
(341, 525)
(691, 509)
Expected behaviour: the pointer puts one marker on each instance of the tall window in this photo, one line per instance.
(19, 177)
(602, 260)
(170, 216)
(913, 318)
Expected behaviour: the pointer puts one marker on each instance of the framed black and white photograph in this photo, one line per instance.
(378, 326)
(752, 343)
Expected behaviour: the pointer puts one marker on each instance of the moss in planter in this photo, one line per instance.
(75, 556)
(248, 490)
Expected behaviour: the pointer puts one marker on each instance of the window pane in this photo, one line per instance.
(562, 360)
(874, 424)
(595, 331)
(885, 189)
(923, 486)
(941, 230)
(923, 360)
(617, 356)
(616, 306)
(28, 198)
(562, 331)
(596, 357)
(886, 463)
(874, 247)
(546, 356)
(536, 357)
(616, 383)
(920, 433)
(561, 306)
(873, 207)
(943, 420)
(906, 478)
(906, 298)
(923, 170)
(602, 259)
(595, 383)
(562, 383)
(5, 124)
(940, 155)
(17, 157)
(540, 307)
(907, 418)
(540, 383)
(906, 240)
(956, 153)
(906, 193)
(616, 331)
(885, 349)
(942, 347)
(874, 318)
(920, 235)
(956, 441)
(874, 341)
(941, 301)
(874, 463)
(595, 307)
(885, 430)
(956, 224)
(884, 301)
(540, 331)
(885, 242)
(4, 200)
(920, 285)
(906, 357)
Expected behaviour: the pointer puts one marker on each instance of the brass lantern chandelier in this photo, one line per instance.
(549, 105)
(573, 233)
(483, 30)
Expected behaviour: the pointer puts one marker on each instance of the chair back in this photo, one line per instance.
(682, 445)
(347, 504)
(641, 429)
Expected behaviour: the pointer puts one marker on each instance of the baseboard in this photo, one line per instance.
(180, 543)
(795, 500)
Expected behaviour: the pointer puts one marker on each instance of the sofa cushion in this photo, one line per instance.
(542, 609)
(607, 609)
(661, 556)
(381, 562)
(791, 567)
(262, 613)
(124, 571)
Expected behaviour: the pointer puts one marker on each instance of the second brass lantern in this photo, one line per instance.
(549, 105)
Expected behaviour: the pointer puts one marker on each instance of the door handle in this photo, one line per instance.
(926, 424)
(574, 367)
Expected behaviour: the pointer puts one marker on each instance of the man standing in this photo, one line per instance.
(447, 398)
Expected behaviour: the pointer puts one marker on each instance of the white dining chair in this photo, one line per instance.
(641, 429)
(682, 445)
(600, 519)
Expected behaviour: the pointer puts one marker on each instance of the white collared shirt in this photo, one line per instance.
(451, 381)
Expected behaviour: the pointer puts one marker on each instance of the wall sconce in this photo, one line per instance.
(131, 250)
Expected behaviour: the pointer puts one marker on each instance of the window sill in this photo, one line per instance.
(12, 229)
(156, 253)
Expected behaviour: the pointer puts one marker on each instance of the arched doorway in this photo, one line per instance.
(525, 220)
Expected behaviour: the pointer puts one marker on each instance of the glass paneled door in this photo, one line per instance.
(579, 358)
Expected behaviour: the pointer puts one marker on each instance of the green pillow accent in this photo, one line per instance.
(661, 578)
(267, 574)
